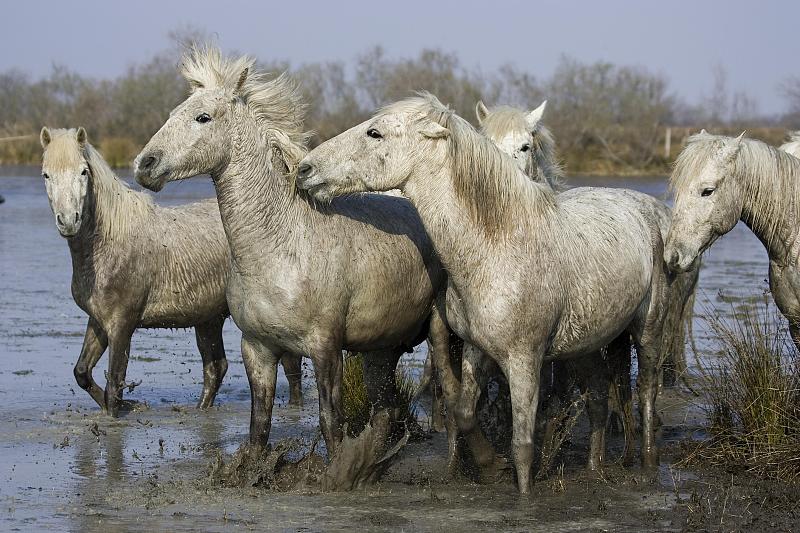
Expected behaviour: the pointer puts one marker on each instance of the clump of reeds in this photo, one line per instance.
(357, 408)
(752, 394)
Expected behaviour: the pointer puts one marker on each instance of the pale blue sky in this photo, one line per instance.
(756, 41)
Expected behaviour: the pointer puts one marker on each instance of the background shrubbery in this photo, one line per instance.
(607, 118)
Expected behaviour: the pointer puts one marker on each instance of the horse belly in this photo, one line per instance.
(393, 316)
(597, 316)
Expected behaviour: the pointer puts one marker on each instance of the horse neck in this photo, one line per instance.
(256, 201)
(770, 210)
(106, 199)
(460, 241)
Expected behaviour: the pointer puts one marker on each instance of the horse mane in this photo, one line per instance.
(484, 178)
(769, 177)
(504, 119)
(792, 146)
(118, 209)
(277, 103)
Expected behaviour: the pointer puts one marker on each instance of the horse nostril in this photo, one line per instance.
(58, 219)
(305, 170)
(149, 162)
(77, 217)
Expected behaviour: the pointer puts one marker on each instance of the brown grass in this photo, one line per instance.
(752, 396)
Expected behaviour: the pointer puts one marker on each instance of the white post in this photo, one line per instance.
(667, 142)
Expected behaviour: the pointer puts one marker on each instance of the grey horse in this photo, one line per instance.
(531, 276)
(360, 274)
(137, 265)
(721, 180)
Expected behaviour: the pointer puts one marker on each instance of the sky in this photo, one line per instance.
(755, 41)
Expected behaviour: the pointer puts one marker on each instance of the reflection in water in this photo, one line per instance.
(41, 336)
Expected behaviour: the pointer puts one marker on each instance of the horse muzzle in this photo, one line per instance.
(148, 171)
(678, 260)
(68, 224)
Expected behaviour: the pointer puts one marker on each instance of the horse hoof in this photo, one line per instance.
(494, 472)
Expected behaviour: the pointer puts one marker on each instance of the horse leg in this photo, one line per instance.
(618, 357)
(328, 366)
(523, 371)
(261, 365)
(95, 343)
(595, 378)
(119, 342)
(379, 377)
(475, 368)
(444, 378)
(784, 282)
(215, 365)
(558, 382)
(293, 369)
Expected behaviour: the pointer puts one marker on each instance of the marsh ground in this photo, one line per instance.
(65, 466)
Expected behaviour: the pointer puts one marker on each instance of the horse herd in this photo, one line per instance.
(483, 245)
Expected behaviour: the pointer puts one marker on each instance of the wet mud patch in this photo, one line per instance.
(292, 464)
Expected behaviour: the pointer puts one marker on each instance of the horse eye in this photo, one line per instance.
(525, 148)
(202, 118)
(85, 172)
(707, 191)
(375, 134)
(45, 175)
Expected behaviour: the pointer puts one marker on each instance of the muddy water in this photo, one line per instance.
(65, 466)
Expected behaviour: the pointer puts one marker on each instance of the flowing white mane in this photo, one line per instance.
(484, 178)
(503, 120)
(768, 178)
(276, 103)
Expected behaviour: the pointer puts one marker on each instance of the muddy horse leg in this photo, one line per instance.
(475, 369)
(523, 371)
(261, 364)
(328, 366)
(379, 378)
(618, 358)
(445, 378)
(215, 365)
(119, 344)
(293, 369)
(557, 382)
(594, 377)
(95, 342)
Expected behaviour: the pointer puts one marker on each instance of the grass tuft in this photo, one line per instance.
(752, 396)
(357, 409)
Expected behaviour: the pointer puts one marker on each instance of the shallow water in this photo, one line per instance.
(63, 465)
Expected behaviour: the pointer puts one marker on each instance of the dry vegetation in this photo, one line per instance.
(357, 409)
(607, 118)
(752, 394)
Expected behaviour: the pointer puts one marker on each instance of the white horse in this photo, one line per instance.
(523, 135)
(531, 275)
(360, 275)
(720, 180)
(137, 265)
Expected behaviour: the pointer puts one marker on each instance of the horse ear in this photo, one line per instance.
(703, 132)
(81, 135)
(481, 111)
(242, 79)
(434, 130)
(740, 137)
(532, 119)
(45, 137)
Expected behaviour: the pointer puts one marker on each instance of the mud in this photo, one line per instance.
(64, 466)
